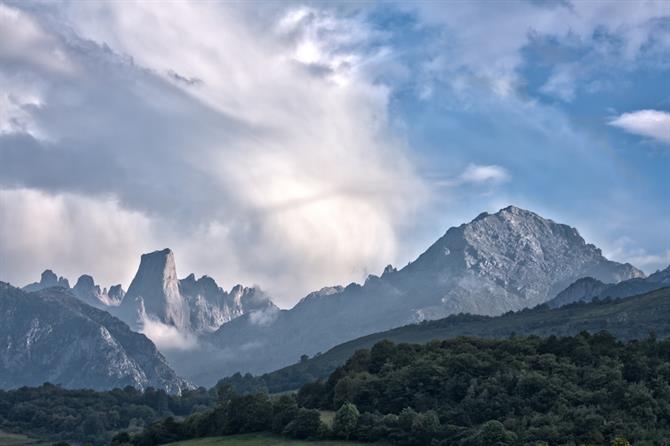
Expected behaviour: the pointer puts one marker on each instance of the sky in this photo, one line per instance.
(296, 145)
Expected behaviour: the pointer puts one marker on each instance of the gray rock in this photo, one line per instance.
(49, 335)
(90, 293)
(154, 292)
(189, 305)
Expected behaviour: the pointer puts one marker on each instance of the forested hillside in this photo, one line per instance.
(85, 416)
(587, 389)
(630, 318)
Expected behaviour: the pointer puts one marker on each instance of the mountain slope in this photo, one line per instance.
(50, 335)
(631, 318)
(586, 289)
(496, 263)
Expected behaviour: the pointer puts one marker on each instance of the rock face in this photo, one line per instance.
(496, 263)
(90, 293)
(49, 335)
(189, 305)
(210, 306)
(588, 288)
(154, 292)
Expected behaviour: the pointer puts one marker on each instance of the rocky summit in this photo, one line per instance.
(496, 263)
(154, 292)
(190, 305)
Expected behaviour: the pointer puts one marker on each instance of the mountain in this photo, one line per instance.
(630, 318)
(50, 335)
(496, 263)
(587, 288)
(154, 292)
(190, 305)
(86, 290)
(48, 279)
(211, 306)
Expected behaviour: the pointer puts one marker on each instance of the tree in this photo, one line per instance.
(120, 439)
(620, 441)
(307, 424)
(346, 420)
(284, 410)
(249, 413)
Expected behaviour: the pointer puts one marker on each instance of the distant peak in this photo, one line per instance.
(48, 276)
(511, 209)
(85, 281)
(389, 270)
(164, 253)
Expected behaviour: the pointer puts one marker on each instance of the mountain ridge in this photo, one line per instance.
(52, 336)
(588, 288)
(495, 263)
(634, 317)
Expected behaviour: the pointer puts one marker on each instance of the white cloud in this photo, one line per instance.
(653, 124)
(476, 174)
(625, 249)
(485, 45)
(167, 337)
(269, 170)
(23, 39)
(484, 174)
(70, 234)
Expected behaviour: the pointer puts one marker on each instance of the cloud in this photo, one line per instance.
(23, 39)
(225, 144)
(653, 124)
(626, 249)
(70, 234)
(167, 337)
(263, 317)
(484, 174)
(475, 174)
(484, 47)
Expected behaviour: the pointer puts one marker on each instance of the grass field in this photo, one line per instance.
(7, 439)
(261, 440)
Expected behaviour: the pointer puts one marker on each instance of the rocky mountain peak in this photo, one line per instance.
(514, 252)
(86, 282)
(87, 290)
(155, 288)
(48, 279)
(116, 293)
(661, 276)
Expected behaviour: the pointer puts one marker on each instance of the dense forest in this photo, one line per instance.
(86, 416)
(589, 389)
(642, 314)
